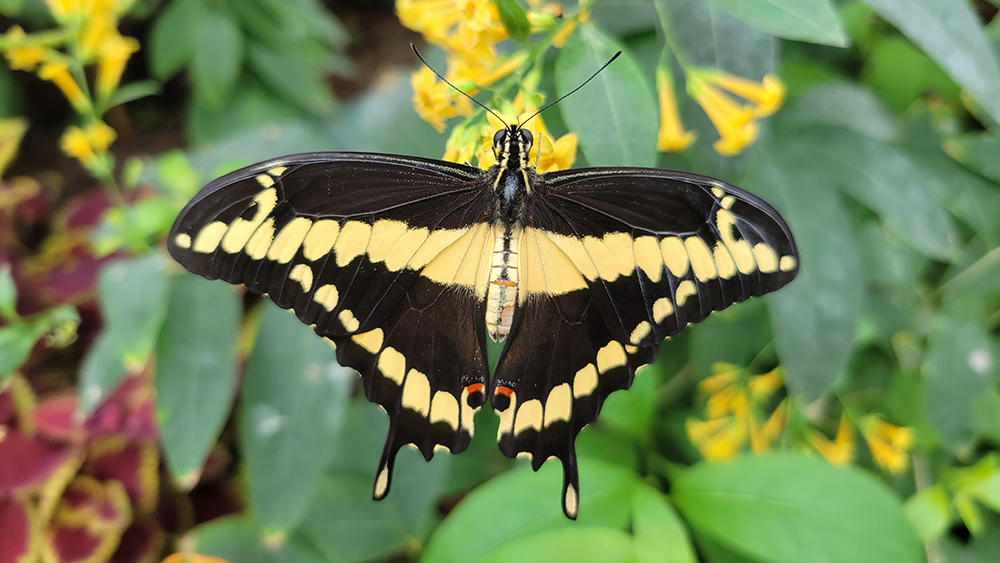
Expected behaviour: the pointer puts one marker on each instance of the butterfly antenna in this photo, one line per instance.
(457, 89)
(573, 91)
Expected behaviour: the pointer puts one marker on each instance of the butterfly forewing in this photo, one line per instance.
(347, 241)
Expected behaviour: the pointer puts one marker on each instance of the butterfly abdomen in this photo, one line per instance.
(501, 293)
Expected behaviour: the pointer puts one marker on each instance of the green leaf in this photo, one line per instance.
(522, 500)
(134, 294)
(16, 342)
(236, 538)
(958, 368)
(793, 507)
(134, 91)
(949, 31)
(8, 294)
(611, 115)
(345, 524)
(195, 371)
(294, 397)
(978, 151)
(929, 511)
(175, 172)
(660, 534)
(217, 58)
(514, 19)
(814, 21)
(815, 316)
(882, 178)
(842, 104)
(172, 41)
(979, 279)
(581, 543)
(305, 86)
(902, 74)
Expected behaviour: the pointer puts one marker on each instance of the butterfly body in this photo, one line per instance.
(407, 264)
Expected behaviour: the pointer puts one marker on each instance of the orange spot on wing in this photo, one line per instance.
(474, 388)
(505, 391)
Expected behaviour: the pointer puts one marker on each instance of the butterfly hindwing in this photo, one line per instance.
(347, 242)
(614, 261)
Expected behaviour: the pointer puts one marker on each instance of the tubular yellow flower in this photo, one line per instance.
(763, 386)
(732, 120)
(723, 375)
(101, 26)
(562, 156)
(671, 136)
(61, 9)
(461, 69)
(433, 100)
(58, 73)
(74, 142)
(775, 424)
(26, 58)
(889, 444)
(767, 95)
(100, 136)
(114, 54)
(840, 451)
(717, 438)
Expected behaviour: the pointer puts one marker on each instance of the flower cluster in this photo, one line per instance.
(468, 31)
(735, 412)
(888, 444)
(87, 38)
(714, 90)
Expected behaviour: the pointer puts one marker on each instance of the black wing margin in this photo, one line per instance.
(653, 251)
(341, 239)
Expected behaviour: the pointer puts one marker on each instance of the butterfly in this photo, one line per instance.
(406, 265)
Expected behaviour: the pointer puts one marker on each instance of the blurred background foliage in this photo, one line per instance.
(852, 416)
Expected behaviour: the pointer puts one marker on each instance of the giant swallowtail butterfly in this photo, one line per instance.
(406, 265)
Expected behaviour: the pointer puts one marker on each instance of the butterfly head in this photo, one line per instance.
(511, 146)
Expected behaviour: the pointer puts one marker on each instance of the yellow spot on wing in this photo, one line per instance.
(385, 234)
(465, 262)
(241, 229)
(287, 242)
(559, 405)
(405, 248)
(382, 483)
(327, 296)
(392, 364)
(574, 249)
(610, 357)
(258, 244)
(767, 258)
(265, 180)
(728, 201)
(417, 392)
(468, 423)
(209, 237)
(674, 256)
(349, 321)
(444, 408)
(545, 267)
(507, 417)
(183, 240)
(437, 240)
(701, 259)
(684, 290)
(788, 263)
(640, 332)
(585, 381)
(302, 274)
(277, 170)
(370, 341)
(648, 257)
(320, 239)
(620, 247)
(724, 261)
(571, 500)
(529, 415)
(662, 307)
(718, 192)
(352, 242)
(739, 249)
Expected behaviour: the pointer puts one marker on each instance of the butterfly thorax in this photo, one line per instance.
(513, 176)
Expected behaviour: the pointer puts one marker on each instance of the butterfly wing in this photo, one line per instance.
(363, 247)
(612, 262)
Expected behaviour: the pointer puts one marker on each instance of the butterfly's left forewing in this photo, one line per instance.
(363, 247)
(612, 262)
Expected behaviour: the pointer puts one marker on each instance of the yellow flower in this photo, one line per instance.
(763, 386)
(889, 444)
(435, 101)
(74, 143)
(87, 143)
(101, 26)
(62, 8)
(441, 20)
(671, 137)
(840, 451)
(562, 156)
(772, 427)
(58, 73)
(717, 438)
(723, 375)
(22, 54)
(546, 154)
(471, 71)
(114, 54)
(767, 95)
(732, 120)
